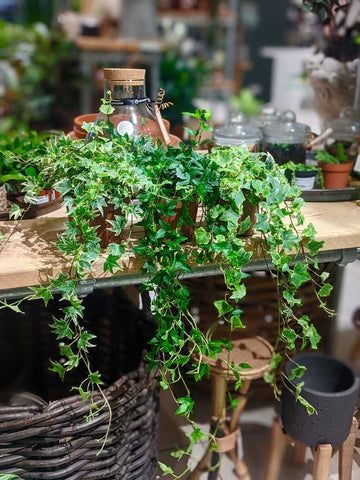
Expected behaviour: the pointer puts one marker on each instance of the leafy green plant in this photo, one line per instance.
(39, 74)
(145, 183)
(291, 168)
(16, 152)
(325, 157)
(246, 102)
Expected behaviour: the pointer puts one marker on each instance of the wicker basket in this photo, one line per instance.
(41, 440)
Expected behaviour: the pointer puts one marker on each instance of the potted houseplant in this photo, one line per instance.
(303, 176)
(146, 181)
(336, 169)
(17, 150)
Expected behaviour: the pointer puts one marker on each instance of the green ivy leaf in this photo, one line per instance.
(84, 342)
(299, 274)
(186, 405)
(111, 263)
(290, 336)
(106, 109)
(297, 372)
(223, 307)
(44, 293)
(239, 293)
(235, 322)
(57, 368)
(94, 377)
(61, 328)
(15, 212)
(85, 394)
(324, 276)
(325, 290)
(202, 236)
(165, 469)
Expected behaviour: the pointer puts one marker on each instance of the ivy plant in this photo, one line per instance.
(144, 183)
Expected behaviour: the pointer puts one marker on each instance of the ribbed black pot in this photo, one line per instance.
(331, 387)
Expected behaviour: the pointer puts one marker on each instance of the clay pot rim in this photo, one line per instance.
(82, 118)
(355, 386)
(337, 167)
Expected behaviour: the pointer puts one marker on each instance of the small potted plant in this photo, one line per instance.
(336, 169)
(18, 149)
(303, 176)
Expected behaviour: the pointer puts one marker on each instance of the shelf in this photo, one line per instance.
(30, 257)
(199, 18)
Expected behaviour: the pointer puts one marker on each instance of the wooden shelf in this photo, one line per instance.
(30, 257)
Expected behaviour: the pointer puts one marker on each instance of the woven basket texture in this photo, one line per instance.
(49, 437)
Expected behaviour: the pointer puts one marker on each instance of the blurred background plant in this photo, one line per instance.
(39, 77)
(183, 70)
(340, 20)
(246, 102)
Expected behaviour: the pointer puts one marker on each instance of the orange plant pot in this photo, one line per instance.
(336, 175)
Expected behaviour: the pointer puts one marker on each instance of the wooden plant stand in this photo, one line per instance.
(258, 353)
(322, 454)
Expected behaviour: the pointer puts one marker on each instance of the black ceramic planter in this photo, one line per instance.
(331, 387)
(305, 179)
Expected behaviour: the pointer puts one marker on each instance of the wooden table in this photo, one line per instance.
(30, 257)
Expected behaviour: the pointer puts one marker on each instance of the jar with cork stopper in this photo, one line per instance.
(132, 112)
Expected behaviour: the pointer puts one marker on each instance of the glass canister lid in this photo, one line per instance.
(268, 115)
(286, 130)
(347, 126)
(237, 134)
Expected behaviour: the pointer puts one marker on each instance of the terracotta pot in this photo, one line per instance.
(106, 236)
(89, 117)
(336, 175)
(150, 127)
(172, 220)
(248, 210)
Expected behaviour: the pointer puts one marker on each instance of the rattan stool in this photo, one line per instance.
(322, 454)
(257, 352)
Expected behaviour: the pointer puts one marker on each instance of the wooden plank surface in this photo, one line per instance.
(105, 44)
(29, 257)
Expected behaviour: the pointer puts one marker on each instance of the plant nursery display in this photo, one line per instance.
(174, 207)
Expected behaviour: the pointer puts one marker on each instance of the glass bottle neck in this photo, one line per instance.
(123, 91)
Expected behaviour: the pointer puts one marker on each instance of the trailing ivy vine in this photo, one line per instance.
(144, 184)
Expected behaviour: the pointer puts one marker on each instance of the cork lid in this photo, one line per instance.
(135, 76)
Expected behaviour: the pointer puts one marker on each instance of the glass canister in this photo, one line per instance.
(286, 139)
(344, 139)
(132, 113)
(267, 116)
(238, 132)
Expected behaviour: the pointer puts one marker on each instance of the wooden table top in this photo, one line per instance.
(29, 257)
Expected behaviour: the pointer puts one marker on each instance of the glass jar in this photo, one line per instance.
(267, 116)
(238, 132)
(132, 113)
(286, 139)
(344, 139)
